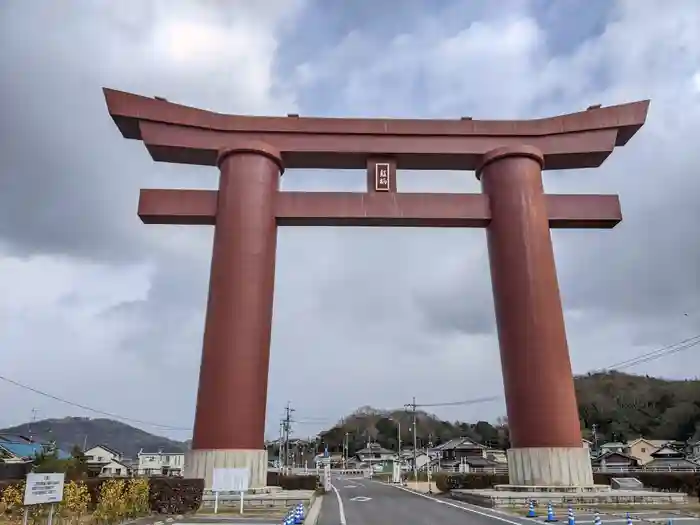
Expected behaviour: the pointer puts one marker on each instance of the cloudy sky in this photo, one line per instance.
(97, 308)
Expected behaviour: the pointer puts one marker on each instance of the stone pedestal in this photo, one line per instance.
(550, 466)
(200, 464)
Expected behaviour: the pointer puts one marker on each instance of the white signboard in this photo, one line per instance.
(44, 488)
(230, 480)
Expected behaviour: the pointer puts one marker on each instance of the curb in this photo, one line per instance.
(315, 511)
(167, 520)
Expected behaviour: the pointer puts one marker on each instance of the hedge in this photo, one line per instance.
(688, 482)
(293, 481)
(168, 495)
(446, 482)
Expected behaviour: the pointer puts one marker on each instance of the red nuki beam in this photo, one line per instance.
(430, 210)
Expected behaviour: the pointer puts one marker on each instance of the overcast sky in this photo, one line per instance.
(100, 309)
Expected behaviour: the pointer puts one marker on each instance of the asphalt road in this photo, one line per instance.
(359, 501)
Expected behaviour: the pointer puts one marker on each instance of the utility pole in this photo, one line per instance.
(412, 406)
(594, 430)
(280, 458)
(31, 425)
(287, 425)
(346, 451)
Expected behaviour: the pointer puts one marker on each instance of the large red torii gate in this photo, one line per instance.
(508, 156)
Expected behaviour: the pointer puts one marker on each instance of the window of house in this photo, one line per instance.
(118, 471)
(643, 450)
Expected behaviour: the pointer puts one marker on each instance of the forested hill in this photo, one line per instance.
(622, 406)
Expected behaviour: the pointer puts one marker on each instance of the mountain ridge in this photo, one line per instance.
(87, 432)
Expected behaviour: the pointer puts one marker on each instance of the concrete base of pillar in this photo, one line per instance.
(560, 467)
(200, 464)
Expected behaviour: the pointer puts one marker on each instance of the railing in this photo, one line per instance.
(503, 469)
(612, 470)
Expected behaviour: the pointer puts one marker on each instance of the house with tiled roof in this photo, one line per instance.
(464, 454)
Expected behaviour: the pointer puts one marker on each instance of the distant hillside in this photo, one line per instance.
(625, 406)
(71, 431)
(621, 406)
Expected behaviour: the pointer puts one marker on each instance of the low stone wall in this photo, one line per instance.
(500, 498)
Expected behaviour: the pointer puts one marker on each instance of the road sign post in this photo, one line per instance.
(230, 480)
(42, 488)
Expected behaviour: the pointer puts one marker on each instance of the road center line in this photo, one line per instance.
(341, 509)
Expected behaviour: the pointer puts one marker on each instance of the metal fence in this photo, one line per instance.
(503, 469)
(622, 470)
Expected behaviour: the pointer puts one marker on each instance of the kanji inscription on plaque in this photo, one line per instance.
(381, 176)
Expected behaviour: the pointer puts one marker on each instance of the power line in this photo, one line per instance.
(622, 365)
(457, 403)
(656, 354)
(111, 415)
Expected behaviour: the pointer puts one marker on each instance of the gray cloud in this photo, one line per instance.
(361, 317)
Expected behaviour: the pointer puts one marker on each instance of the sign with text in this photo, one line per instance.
(44, 488)
(381, 176)
(230, 480)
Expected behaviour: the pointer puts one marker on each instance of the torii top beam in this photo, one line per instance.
(185, 135)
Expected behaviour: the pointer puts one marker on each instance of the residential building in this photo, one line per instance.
(116, 468)
(21, 449)
(642, 449)
(464, 454)
(105, 462)
(101, 454)
(614, 461)
(161, 463)
(374, 452)
(423, 459)
(612, 446)
(694, 449)
(670, 458)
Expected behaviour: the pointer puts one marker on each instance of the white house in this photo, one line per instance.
(161, 463)
(101, 454)
(115, 468)
(106, 461)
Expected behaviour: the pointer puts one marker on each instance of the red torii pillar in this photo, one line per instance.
(508, 157)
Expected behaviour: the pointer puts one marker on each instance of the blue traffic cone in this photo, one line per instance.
(301, 511)
(531, 510)
(629, 519)
(297, 516)
(550, 514)
(596, 520)
(572, 518)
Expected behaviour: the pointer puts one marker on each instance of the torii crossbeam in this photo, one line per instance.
(508, 156)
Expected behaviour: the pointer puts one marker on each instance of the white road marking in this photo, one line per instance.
(360, 498)
(465, 509)
(350, 487)
(341, 509)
